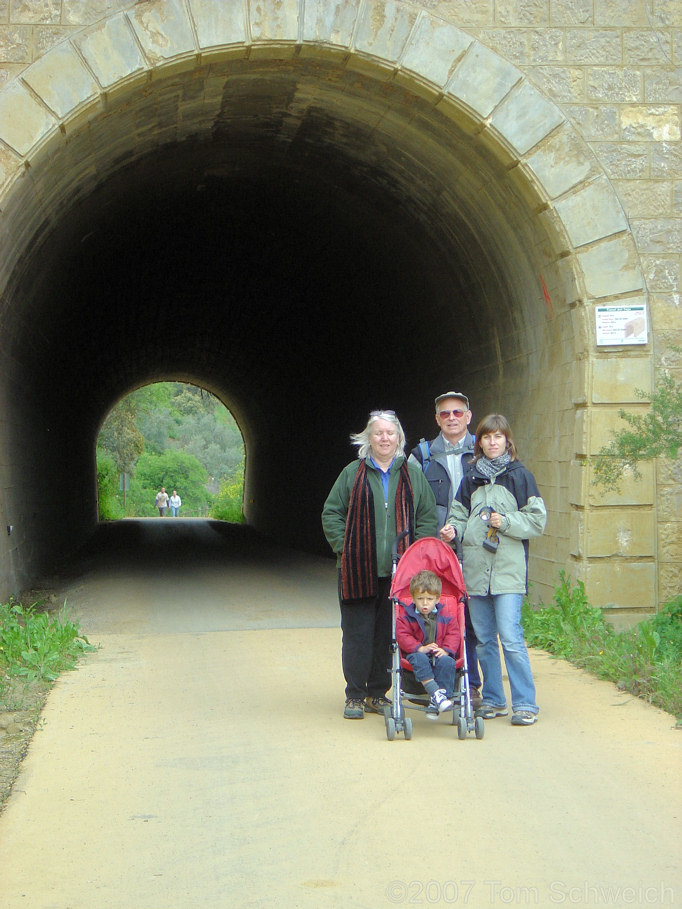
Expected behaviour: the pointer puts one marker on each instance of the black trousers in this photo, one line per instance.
(366, 644)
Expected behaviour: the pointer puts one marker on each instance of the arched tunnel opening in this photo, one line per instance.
(326, 244)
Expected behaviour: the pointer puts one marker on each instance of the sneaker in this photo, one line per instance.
(354, 709)
(376, 705)
(489, 713)
(524, 718)
(439, 702)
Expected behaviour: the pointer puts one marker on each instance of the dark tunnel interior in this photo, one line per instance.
(304, 282)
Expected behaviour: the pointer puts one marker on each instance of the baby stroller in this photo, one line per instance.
(432, 554)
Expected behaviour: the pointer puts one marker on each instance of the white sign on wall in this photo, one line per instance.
(622, 325)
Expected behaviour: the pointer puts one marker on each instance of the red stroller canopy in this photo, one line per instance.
(429, 554)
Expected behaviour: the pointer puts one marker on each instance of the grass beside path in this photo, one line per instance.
(645, 660)
(37, 643)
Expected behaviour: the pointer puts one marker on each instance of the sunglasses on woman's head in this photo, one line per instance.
(378, 413)
(444, 414)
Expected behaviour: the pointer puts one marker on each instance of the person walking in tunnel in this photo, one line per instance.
(161, 501)
(496, 511)
(375, 498)
(175, 502)
(443, 461)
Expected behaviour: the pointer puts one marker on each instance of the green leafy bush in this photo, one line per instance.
(645, 660)
(36, 644)
(228, 503)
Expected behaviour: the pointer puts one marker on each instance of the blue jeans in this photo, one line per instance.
(442, 670)
(500, 614)
(175, 509)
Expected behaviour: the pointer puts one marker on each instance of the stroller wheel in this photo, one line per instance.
(462, 727)
(408, 728)
(479, 727)
(390, 728)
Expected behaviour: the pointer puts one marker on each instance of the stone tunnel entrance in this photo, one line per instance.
(308, 239)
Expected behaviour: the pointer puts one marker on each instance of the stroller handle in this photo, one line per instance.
(394, 549)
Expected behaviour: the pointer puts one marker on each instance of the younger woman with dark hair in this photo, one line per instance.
(495, 512)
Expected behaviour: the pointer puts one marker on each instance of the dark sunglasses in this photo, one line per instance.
(444, 414)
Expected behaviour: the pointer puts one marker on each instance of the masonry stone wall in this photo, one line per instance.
(612, 67)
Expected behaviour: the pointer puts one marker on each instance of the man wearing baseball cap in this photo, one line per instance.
(443, 461)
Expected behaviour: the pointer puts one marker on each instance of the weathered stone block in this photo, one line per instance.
(434, 49)
(653, 124)
(628, 584)
(621, 12)
(633, 491)
(595, 121)
(560, 83)
(591, 213)
(647, 47)
(663, 85)
(61, 80)
(577, 534)
(218, 23)
(111, 51)
(611, 267)
(629, 534)
(23, 121)
(644, 198)
(546, 46)
(331, 22)
(614, 380)
(627, 161)
(25, 12)
(614, 84)
(522, 12)
(666, 160)
(15, 44)
(665, 311)
(670, 581)
(525, 117)
(670, 540)
(384, 28)
(163, 29)
(662, 273)
(593, 46)
(482, 79)
(85, 12)
(570, 12)
(658, 235)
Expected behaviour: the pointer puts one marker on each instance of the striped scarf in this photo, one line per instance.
(359, 574)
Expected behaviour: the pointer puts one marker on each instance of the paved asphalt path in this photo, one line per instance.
(200, 759)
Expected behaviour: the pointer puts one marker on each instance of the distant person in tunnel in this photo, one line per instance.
(496, 511)
(175, 502)
(374, 498)
(161, 501)
(443, 461)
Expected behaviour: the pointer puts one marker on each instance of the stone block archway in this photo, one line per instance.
(324, 140)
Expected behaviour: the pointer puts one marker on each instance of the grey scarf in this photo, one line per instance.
(490, 469)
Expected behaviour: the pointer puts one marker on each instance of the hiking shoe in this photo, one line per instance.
(376, 705)
(476, 699)
(524, 718)
(354, 709)
(489, 713)
(439, 702)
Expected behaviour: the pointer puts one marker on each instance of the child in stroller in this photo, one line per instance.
(426, 557)
(428, 637)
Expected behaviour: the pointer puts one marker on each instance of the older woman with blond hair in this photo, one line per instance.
(374, 499)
